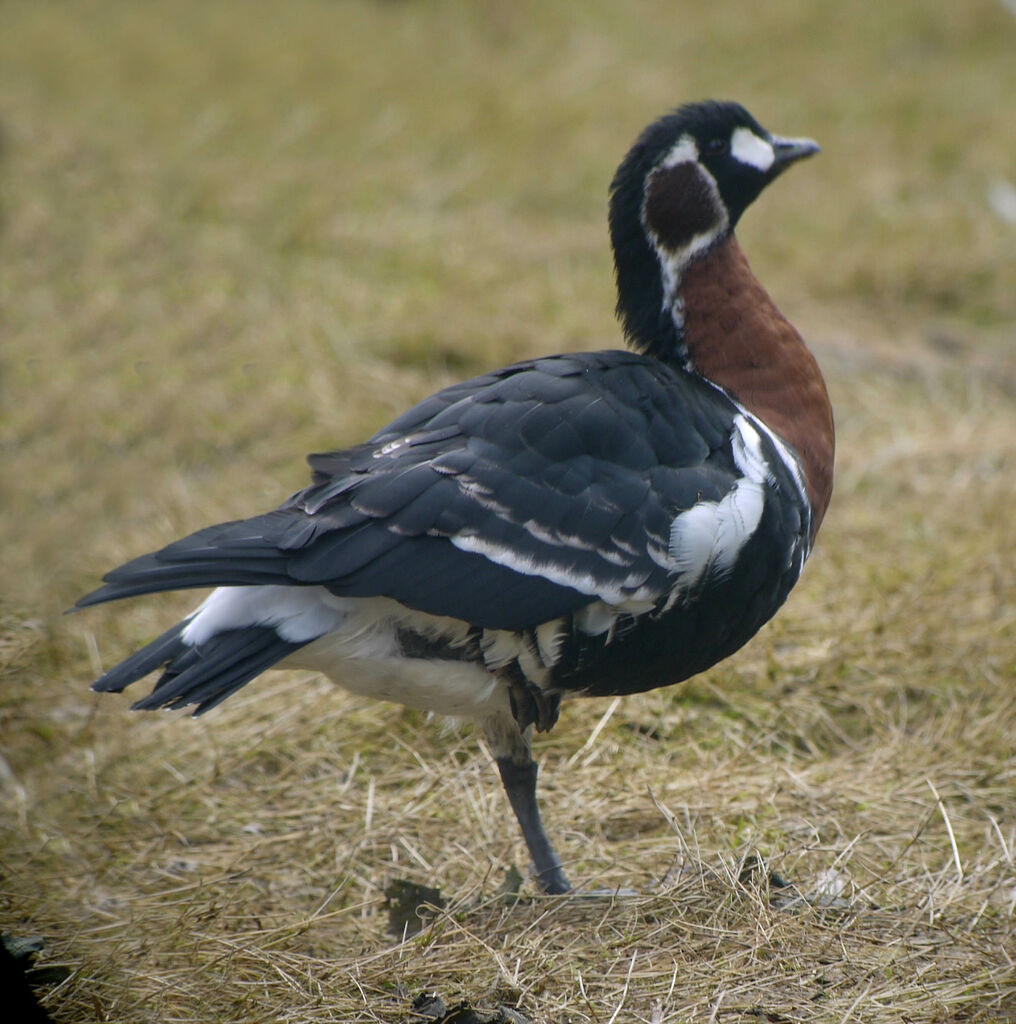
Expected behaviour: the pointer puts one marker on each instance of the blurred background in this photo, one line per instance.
(236, 232)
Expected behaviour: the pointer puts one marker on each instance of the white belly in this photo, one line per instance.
(362, 656)
(443, 687)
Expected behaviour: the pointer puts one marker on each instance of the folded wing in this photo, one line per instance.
(504, 501)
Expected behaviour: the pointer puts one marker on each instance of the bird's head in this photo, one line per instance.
(678, 193)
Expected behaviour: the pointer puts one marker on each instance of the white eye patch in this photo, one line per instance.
(747, 148)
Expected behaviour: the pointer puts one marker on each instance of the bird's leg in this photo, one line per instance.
(520, 784)
(519, 778)
(510, 746)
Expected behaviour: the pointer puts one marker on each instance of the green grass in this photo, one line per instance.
(233, 233)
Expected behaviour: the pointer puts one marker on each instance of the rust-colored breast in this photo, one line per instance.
(737, 338)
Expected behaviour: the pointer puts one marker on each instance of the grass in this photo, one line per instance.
(233, 233)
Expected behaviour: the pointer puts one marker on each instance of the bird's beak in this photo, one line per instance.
(789, 151)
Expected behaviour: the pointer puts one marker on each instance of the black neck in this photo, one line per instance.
(648, 322)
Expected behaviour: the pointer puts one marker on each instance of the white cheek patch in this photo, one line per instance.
(747, 148)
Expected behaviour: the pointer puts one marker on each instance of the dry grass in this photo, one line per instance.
(237, 232)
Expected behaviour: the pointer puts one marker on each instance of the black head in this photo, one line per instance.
(680, 190)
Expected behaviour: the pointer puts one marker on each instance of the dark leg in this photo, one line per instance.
(520, 785)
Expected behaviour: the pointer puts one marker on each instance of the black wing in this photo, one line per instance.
(504, 501)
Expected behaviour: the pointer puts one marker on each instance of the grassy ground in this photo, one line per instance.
(236, 232)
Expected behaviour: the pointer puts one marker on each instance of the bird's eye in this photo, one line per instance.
(717, 147)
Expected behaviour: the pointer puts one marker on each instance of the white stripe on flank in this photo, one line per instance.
(530, 565)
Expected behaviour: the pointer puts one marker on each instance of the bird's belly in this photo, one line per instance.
(457, 689)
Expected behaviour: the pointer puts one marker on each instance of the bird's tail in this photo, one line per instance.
(202, 674)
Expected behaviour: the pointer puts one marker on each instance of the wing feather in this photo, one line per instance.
(504, 501)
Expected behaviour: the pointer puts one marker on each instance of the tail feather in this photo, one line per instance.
(268, 549)
(207, 674)
(239, 553)
(141, 663)
(204, 674)
(149, 575)
(256, 537)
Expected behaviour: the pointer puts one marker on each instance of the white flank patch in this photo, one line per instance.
(710, 536)
(787, 455)
(747, 449)
(792, 465)
(747, 148)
